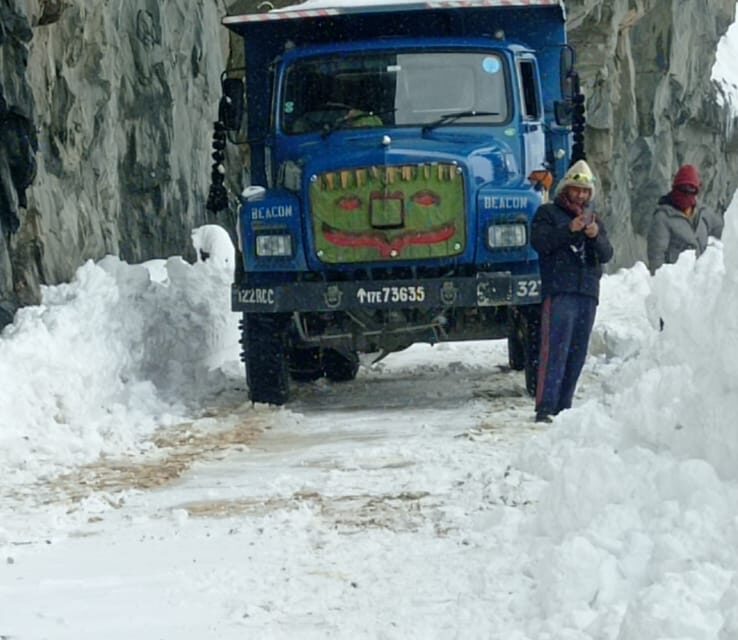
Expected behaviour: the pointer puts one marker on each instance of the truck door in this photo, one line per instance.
(534, 142)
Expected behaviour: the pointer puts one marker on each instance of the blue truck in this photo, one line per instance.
(398, 153)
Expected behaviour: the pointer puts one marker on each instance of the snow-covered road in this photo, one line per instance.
(385, 507)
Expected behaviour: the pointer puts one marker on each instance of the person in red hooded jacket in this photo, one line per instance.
(679, 223)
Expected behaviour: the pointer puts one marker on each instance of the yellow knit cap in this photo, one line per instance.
(578, 175)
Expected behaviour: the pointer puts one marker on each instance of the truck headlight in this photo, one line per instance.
(504, 236)
(273, 244)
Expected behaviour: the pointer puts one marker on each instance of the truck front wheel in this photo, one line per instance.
(523, 343)
(532, 334)
(516, 344)
(263, 338)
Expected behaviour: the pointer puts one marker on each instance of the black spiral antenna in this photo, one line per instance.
(579, 120)
(218, 194)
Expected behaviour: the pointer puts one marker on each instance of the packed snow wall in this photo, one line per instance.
(121, 97)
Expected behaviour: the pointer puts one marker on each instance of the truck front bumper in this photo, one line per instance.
(482, 290)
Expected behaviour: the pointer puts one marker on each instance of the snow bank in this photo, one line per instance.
(161, 336)
(642, 488)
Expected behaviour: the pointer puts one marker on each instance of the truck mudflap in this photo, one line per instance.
(483, 290)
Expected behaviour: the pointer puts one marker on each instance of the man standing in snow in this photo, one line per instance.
(572, 245)
(678, 224)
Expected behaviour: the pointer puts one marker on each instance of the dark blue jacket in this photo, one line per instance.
(570, 262)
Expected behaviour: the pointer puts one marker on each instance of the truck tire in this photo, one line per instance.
(304, 364)
(340, 367)
(516, 343)
(532, 337)
(263, 338)
(531, 377)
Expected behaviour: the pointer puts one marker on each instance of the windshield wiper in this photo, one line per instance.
(453, 117)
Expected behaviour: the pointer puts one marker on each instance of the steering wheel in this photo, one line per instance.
(333, 106)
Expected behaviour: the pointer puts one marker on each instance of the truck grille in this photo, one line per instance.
(379, 213)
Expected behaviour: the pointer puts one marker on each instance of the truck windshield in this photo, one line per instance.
(393, 90)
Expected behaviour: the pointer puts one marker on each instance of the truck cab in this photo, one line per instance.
(398, 155)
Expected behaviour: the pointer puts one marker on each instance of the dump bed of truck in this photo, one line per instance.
(321, 8)
(331, 16)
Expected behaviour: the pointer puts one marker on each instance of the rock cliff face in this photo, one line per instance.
(122, 96)
(651, 106)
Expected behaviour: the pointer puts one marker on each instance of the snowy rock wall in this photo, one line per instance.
(123, 95)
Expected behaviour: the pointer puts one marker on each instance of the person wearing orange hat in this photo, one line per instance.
(572, 245)
(678, 223)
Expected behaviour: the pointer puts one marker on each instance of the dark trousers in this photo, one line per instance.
(566, 324)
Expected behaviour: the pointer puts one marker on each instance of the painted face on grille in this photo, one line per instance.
(388, 213)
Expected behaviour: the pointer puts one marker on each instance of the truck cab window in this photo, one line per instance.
(393, 89)
(529, 87)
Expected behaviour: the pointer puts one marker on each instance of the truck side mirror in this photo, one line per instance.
(566, 68)
(563, 113)
(569, 85)
(566, 109)
(230, 108)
